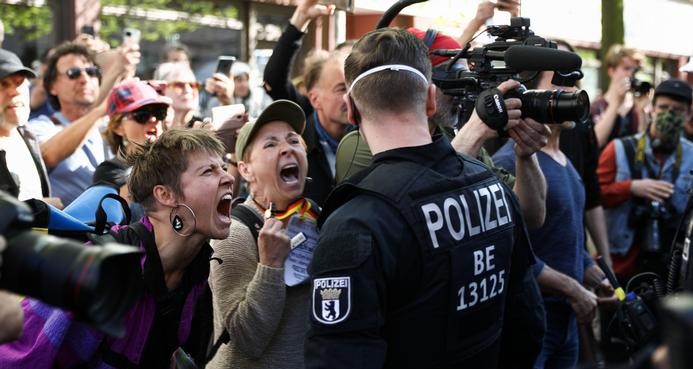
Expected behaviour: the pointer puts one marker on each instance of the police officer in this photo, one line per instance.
(413, 266)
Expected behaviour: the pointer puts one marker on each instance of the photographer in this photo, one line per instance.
(618, 112)
(644, 181)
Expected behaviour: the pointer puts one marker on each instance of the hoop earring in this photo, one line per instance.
(177, 221)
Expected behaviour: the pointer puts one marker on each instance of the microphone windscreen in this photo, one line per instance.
(533, 58)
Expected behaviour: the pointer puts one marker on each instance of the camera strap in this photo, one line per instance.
(635, 153)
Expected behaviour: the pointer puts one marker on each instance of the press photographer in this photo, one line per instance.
(644, 181)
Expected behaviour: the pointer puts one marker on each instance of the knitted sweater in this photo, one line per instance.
(267, 320)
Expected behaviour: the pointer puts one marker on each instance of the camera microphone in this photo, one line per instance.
(533, 58)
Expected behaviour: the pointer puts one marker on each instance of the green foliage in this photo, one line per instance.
(112, 26)
(35, 22)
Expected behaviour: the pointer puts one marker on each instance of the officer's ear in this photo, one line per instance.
(431, 100)
(353, 115)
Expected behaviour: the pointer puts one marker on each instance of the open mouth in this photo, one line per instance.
(289, 173)
(224, 206)
(152, 133)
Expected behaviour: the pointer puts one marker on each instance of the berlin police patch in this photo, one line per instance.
(331, 299)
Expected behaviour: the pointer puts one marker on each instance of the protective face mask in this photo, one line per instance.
(668, 127)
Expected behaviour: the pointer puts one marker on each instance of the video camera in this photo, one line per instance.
(516, 50)
(98, 283)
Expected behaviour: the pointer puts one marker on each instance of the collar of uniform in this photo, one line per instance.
(425, 154)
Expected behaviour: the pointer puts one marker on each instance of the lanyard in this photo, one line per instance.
(301, 206)
(640, 158)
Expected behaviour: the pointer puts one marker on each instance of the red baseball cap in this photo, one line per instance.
(441, 41)
(132, 95)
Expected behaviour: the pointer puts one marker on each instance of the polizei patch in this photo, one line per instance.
(331, 299)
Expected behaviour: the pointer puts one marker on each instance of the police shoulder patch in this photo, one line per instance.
(331, 299)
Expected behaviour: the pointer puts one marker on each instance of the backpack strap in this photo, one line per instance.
(634, 163)
(101, 216)
(248, 217)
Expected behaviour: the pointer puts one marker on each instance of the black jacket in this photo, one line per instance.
(277, 82)
(319, 171)
(393, 287)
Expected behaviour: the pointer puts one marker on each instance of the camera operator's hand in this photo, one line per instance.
(529, 136)
(222, 87)
(583, 302)
(273, 243)
(651, 189)
(306, 11)
(593, 277)
(472, 135)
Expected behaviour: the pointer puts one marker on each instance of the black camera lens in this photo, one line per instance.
(640, 88)
(555, 106)
(97, 283)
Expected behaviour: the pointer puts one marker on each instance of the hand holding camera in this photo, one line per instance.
(652, 189)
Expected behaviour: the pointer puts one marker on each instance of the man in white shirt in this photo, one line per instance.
(22, 172)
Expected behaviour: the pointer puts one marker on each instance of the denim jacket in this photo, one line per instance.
(621, 235)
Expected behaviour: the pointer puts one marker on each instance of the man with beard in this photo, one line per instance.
(644, 181)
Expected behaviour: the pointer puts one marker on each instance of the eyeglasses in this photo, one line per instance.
(76, 72)
(143, 115)
(181, 85)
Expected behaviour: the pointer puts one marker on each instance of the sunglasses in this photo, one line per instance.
(143, 116)
(76, 72)
(181, 85)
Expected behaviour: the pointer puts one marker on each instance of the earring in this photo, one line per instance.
(177, 220)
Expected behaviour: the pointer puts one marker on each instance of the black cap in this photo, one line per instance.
(675, 88)
(10, 64)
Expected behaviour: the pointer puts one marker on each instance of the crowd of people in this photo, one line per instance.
(346, 219)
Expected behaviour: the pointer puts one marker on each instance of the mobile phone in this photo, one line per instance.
(131, 36)
(224, 63)
(88, 29)
(346, 5)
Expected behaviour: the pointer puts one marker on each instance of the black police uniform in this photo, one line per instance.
(413, 269)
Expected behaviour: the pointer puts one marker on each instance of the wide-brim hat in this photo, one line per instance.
(280, 110)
